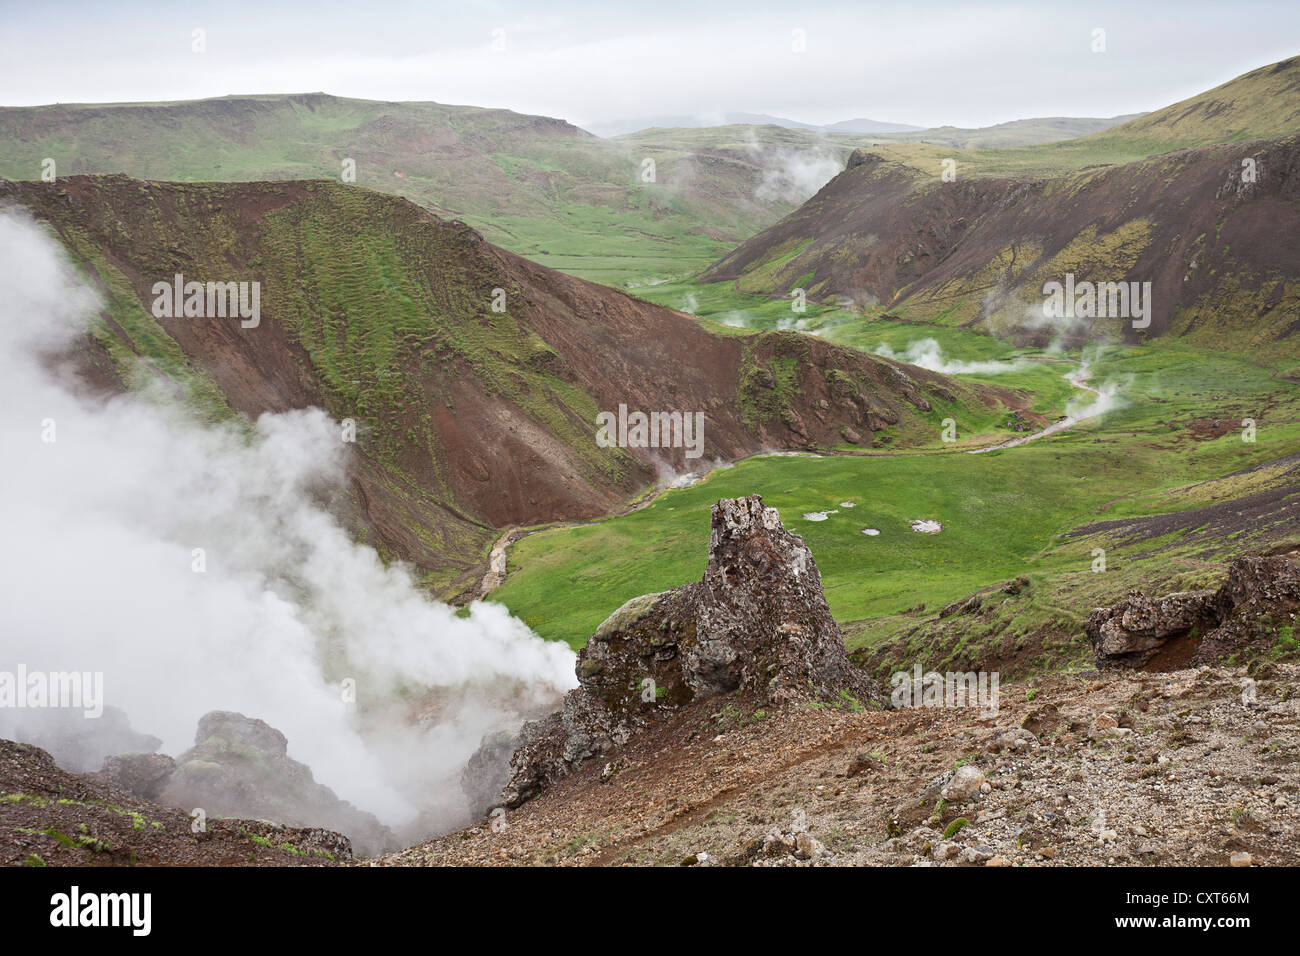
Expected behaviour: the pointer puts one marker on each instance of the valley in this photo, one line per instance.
(890, 455)
(1005, 513)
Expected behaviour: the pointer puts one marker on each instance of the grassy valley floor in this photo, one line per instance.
(1174, 442)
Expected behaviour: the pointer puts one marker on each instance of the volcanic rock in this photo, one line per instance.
(1260, 596)
(239, 767)
(757, 623)
(144, 775)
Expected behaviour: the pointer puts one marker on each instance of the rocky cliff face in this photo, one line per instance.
(1259, 599)
(757, 623)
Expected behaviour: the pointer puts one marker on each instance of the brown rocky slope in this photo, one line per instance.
(469, 418)
(1215, 230)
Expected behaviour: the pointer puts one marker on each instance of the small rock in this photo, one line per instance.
(975, 854)
(1241, 859)
(806, 846)
(945, 850)
(965, 783)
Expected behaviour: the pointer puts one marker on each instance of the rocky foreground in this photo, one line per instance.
(49, 817)
(1190, 767)
(721, 723)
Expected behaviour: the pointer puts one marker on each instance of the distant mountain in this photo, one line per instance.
(868, 126)
(538, 186)
(621, 127)
(1023, 132)
(613, 128)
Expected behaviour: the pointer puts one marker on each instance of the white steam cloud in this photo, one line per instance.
(97, 569)
(927, 354)
(790, 175)
(1096, 403)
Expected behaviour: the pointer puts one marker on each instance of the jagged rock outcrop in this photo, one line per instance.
(757, 622)
(239, 767)
(488, 771)
(1260, 597)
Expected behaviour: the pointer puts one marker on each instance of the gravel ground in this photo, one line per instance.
(1190, 767)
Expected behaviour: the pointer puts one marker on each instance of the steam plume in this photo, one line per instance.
(97, 573)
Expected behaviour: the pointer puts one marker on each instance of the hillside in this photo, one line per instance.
(1261, 104)
(535, 185)
(1023, 132)
(1213, 228)
(975, 253)
(538, 186)
(626, 127)
(468, 419)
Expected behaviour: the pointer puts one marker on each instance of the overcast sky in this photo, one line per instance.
(923, 63)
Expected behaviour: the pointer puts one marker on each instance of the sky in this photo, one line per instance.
(925, 64)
